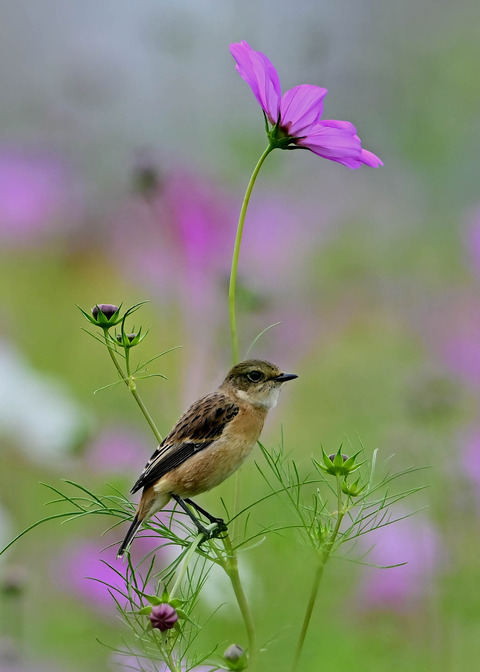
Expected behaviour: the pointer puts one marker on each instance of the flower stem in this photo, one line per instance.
(322, 561)
(167, 654)
(230, 565)
(232, 294)
(129, 381)
(236, 252)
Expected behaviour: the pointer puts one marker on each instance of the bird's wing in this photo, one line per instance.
(204, 422)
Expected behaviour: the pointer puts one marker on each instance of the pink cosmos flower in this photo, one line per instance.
(296, 116)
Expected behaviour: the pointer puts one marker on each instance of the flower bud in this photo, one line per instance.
(129, 337)
(338, 464)
(13, 582)
(131, 340)
(107, 309)
(103, 315)
(146, 175)
(353, 489)
(332, 457)
(235, 657)
(163, 616)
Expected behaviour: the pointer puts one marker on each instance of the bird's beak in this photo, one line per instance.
(283, 377)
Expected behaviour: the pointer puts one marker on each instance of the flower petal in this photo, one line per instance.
(259, 73)
(301, 108)
(371, 159)
(338, 141)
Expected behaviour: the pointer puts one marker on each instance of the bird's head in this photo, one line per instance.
(257, 382)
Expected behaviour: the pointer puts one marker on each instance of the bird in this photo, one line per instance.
(208, 443)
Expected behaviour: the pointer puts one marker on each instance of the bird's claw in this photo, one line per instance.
(221, 524)
(214, 530)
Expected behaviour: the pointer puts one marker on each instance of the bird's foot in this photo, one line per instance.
(220, 523)
(212, 531)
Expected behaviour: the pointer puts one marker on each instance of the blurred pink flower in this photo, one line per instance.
(413, 541)
(185, 234)
(462, 354)
(472, 239)
(80, 567)
(291, 232)
(175, 234)
(470, 459)
(457, 339)
(38, 192)
(180, 235)
(118, 449)
(123, 663)
(12, 658)
(296, 115)
(21, 665)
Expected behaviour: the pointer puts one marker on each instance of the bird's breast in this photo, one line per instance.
(213, 464)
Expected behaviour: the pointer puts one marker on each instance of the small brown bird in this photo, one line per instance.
(208, 443)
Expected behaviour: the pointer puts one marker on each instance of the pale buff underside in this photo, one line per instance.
(210, 466)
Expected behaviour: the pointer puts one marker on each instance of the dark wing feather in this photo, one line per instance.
(204, 422)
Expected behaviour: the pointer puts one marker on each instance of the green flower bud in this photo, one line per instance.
(130, 340)
(128, 337)
(332, 457)
(354, 489)
(236, 658)
(338, 464)
(104, 315)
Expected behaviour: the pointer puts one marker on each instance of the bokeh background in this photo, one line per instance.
(126, 141)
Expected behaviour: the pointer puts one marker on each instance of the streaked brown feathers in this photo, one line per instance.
(202, 424)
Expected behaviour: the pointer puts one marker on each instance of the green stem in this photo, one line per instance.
(186, 560)
(167, 654)
(323, 558)
(230, 565)
(130, 383)
(232, 294)
(236, 252)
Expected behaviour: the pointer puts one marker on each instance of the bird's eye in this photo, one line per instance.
(255, 376)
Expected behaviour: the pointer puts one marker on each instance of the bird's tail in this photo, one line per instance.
(132, 531)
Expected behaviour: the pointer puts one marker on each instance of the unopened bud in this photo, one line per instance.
(13, 581)
(338, 464)
(235, 657)
(163, 617)
(129, 336)
(353, 489)
(332, 457)
(108, 309)
(146, 174)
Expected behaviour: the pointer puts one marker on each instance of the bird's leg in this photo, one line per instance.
(222, 526)
(203, 530)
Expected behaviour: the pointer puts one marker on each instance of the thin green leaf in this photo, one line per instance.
(264, 331)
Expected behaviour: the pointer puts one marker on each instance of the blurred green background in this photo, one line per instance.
(126, 142)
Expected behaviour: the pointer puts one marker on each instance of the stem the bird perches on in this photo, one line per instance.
(231, 568)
